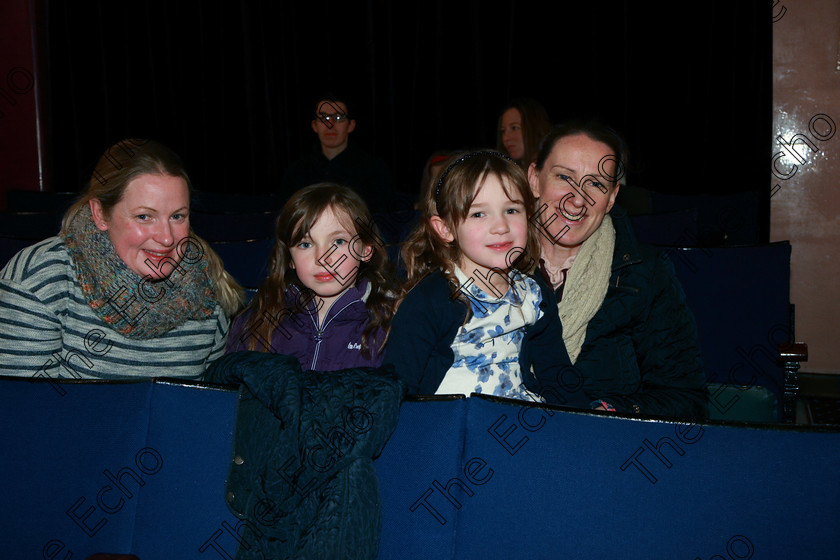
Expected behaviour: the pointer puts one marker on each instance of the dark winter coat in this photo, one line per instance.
(302, 475)
(641, 352)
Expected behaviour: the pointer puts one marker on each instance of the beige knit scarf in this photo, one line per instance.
(586, 286)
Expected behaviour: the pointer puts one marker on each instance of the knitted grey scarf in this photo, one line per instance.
(132, 306)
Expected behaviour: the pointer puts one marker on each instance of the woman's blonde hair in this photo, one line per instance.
(296, 219)
(125, 161)
(450, 198)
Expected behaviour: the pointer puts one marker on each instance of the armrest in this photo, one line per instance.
(793, 352)
(790, 355)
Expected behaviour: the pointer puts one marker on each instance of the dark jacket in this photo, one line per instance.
(337, 345)
(641, 352)
(302, 475)
(364, 173)
(419, 346)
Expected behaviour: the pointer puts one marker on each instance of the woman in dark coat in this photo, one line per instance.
(626, 325)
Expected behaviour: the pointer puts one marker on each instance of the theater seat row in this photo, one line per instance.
(739, 294)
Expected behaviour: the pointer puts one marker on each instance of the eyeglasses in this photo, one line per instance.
(336, 118)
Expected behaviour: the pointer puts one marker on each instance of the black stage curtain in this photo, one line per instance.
(230, 85)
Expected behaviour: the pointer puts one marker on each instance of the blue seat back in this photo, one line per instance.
(669, 229)
(220, 203)
(740, 297)
(140, 467)
(10, 246)
(722, 219)
(30, 225)
(20, 200)
(233, 227)
(473, 478)
(247, 261)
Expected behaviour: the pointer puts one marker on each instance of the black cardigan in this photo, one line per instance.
(422, 331)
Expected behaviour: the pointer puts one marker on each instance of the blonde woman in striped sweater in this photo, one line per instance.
(126, 290)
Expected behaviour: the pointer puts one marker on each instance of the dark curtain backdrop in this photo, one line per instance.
(230, 85)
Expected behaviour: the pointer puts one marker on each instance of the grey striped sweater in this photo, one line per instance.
(48, 329)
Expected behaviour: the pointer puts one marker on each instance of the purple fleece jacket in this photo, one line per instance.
(337, 345)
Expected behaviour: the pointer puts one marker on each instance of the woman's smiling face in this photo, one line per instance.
(147, 224)
(576, 190)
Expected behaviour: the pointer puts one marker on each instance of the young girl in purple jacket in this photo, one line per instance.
(326, 300)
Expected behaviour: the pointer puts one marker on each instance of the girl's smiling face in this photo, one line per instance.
(326, 259)
(494, 233)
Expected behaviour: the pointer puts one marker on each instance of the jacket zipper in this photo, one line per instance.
(319, 331)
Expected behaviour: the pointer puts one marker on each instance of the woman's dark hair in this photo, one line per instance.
(594, 129)
(535, 124)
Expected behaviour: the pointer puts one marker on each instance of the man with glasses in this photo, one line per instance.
(337, 161)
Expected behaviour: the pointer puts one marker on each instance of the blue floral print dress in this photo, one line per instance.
(487, 347)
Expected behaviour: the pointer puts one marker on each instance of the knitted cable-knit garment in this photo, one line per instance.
(302, 474)
(132, 305)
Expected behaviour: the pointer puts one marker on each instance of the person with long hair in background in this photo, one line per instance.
(522, 125)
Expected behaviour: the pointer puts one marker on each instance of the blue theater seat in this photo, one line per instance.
(220, 203)
(30, 225)
(20, 200)
(19, 230)
(233, 227)
(10, 246)
(247, 261)
(669, 229)
(722, 219)
(249, 294)
(140, 467)
(105, 453)
(740, 297)
(395, 226)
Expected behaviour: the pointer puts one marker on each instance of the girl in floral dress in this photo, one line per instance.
(472, 318)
